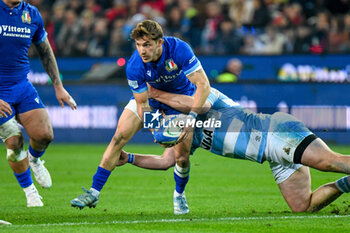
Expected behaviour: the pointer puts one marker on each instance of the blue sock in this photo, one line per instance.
(24, 179)
(35, 153)
(100, 178)
(181, 176)
(343, 184)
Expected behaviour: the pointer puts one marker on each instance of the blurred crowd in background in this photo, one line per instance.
(99, 28)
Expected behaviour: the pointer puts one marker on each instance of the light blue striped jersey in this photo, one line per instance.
(242, 133)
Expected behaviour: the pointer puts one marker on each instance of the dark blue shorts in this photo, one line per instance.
(22, 97)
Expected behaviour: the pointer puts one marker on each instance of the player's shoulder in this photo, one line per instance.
(33, 11)
(174, 42)
(176, 48)
(135, 60)
(28, 7)
(135, 64)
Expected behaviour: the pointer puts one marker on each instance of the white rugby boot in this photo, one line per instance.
(2, 222)
(180, 204)
(41, 174)
(33, 197)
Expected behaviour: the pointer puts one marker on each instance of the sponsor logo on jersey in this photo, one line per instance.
(168, 78)
(207, 140)
(26, 17)
(14, 31)
(258, 138)
(170, 65)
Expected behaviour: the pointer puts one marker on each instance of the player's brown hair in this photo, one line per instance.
(148, 28)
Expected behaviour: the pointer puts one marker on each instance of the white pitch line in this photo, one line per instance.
(183, 220)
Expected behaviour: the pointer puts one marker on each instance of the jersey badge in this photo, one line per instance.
(26, 17)
(133, 84)
(170, 65)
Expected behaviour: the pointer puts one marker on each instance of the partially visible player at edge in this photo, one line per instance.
(280, 139)
(21, 25)
(166, 63)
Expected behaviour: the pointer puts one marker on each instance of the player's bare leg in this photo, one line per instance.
(153, 162)
(128, 125)
(319, 156)
(38, 126)
(296, 190)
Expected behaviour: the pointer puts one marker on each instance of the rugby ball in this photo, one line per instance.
(169, 131)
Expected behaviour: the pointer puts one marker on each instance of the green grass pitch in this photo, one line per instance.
(224, 195)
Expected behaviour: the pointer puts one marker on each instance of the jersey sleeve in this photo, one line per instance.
(186, 58)
(40, 34)
(135, 78)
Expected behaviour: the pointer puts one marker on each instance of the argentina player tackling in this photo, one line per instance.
(280, 139)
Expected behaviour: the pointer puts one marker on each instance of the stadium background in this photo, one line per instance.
(293, 54)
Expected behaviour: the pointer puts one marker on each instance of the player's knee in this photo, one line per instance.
(10, 129)
(301, 204)
(117, 138)
(16, 155)
(44, 137)
(14, 142)
(303, 207)
(182, 161)
(120, 138)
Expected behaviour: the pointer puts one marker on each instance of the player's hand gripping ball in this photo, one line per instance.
(169, 131)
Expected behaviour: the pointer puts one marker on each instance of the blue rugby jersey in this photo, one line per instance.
(169, 73)
(242, 133)
(19, 27)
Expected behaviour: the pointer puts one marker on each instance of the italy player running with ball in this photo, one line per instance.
(280, 139)
(21, 25)
(166, 63)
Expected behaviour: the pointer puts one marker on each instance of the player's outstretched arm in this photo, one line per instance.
(182, 103)
(49, 63)
(152, 162)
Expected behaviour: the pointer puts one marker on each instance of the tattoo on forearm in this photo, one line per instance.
(49, 61)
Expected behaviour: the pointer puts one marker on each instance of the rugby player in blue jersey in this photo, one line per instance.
(21, 25)
(280, 139)
(166, 63)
